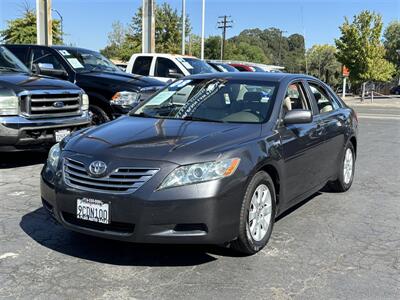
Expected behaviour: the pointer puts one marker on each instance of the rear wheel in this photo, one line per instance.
(257, 215)
(346, 170)
(98, 115)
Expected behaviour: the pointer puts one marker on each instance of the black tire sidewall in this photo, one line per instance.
(258, 179)
(99, 113)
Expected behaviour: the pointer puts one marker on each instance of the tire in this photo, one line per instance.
(99, 116)
(345, 177)
(248, 243)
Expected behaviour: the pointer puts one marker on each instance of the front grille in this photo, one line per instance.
(51, 105)
(121, 180)
(113, 226)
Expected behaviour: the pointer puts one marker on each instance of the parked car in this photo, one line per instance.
(167, 67)
(36, 111)
(111, 91)
(212, 158)
(395, 90)
(243, 67)
(222, 67)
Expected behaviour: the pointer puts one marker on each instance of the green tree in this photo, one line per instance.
(245, 52)
(361, 50)
(323, 64)
(392, 43)
(168, 24)
(23, 30)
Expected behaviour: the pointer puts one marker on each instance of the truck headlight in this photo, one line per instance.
(126, 99)
(200, 172)
(85, 102)
(54, 156)
(8, 103)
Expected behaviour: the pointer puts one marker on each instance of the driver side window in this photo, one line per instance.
(46, 58)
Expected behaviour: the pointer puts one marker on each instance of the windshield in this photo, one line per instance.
(86, 61)
(195, 65)
(212, 100)
(10, 63)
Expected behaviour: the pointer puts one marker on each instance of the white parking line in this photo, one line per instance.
(379, 116)
(8, 254)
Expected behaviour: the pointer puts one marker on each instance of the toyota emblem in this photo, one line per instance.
(97, 168)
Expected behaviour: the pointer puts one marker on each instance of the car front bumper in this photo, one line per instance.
(205, 213)
(19, 133)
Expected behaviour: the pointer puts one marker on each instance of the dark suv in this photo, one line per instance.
(36, 111)
(111, 91)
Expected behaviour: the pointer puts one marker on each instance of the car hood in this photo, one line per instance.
(120, 79)
(177, 141)
(26, 82)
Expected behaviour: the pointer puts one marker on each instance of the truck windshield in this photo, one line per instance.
(212, 100)
(195, 65)
(10, 63)
(88, 61)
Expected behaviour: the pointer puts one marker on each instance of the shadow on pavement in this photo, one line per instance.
(10, 160)
(46, 231)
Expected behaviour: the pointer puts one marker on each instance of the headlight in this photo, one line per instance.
(85, 102)
(201, 172)
(125, 98)
(54, 156)
(8, 102)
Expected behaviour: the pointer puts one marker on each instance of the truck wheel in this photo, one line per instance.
(98, 115)
(257, 215)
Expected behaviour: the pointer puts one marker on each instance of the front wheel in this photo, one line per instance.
(346, 170)
(257, 215)
(98, 115)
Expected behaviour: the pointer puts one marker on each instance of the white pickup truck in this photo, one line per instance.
(166, 67)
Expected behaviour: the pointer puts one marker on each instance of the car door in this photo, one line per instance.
(163, 68)
(301, 145)
(332, 120)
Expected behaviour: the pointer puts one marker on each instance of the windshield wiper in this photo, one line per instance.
(12, 69)
(192, 118)
(142, 115)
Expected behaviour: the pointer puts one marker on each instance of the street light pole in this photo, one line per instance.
(183, 26)
(61, 25)
(202, 27)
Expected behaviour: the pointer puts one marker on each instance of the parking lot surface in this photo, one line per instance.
(343, 246)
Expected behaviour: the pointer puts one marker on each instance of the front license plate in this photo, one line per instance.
(93, 210)
(60, 134)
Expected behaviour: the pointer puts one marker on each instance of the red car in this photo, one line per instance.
(247, 68)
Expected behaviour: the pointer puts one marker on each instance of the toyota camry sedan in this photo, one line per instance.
(209, 159)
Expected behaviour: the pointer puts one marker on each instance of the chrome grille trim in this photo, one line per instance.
(121, 181)
(41, 103)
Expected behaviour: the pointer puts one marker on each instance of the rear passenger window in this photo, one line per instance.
(324, 100)
(163, 65)
(142, 65)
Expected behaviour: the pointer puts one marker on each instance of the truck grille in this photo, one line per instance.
(51, 105)
(121, 180)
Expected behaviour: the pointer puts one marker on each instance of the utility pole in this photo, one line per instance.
(203, 14)
(44, 26)
(183, 26)
(224, 24)
(148, 26)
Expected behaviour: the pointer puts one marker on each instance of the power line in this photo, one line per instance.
(224, 24)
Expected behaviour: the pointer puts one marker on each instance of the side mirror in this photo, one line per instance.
(297, 116)
(48, 70)
(173, 73)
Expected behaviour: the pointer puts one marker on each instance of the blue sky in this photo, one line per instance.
(87, 22)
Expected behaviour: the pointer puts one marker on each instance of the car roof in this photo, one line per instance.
(53, 46)
(272, 77)
(164, 55)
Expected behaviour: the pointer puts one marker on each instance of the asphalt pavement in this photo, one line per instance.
(332, 246)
